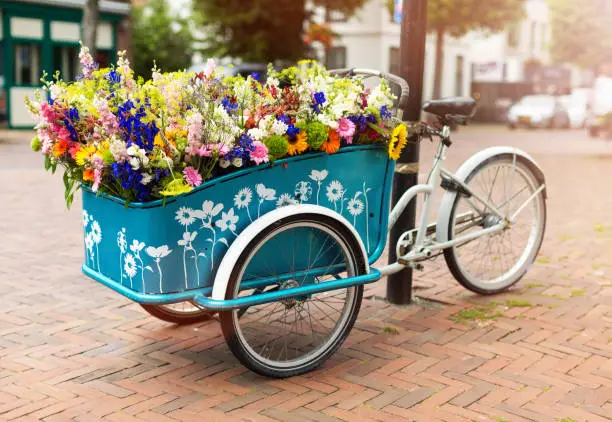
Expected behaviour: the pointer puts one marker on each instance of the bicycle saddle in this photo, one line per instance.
(451, 107)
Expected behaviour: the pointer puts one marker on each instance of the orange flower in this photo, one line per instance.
(297, 145)
(88, 175)
(60, 148)
(332, 145)
(250, 123)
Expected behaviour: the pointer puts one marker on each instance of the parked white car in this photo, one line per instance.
(576, 107)
(541, 111)
(600, 104)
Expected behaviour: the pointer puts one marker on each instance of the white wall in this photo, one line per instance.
(369, 35)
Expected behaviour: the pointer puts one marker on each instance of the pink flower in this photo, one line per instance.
(194, 130)
(192, 177)
(210, 68)
(346, 129)
(97, 180)
(260, 153)
(87, 62)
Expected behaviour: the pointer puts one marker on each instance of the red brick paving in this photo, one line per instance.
(71, 349)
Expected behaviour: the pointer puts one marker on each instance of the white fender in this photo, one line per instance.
(237, 247)
(466, 168)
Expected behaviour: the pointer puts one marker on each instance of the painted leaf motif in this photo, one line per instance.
(149, 268)
(224, 241)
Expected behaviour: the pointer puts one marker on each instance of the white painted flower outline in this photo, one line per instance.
(243, 199)
(158, 254)
(318, 176)
(303, 191)
(264, 194)
(286, 199)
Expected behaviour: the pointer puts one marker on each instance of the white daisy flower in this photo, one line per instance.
(286, 199)
(243, 198)
(85, 218)
(129, 265)
(335, 191)
(303, 191)
(228, 221)
(185, 216)
(96, 232)
(355, 207)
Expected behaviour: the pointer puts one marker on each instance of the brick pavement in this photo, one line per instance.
(71, 349)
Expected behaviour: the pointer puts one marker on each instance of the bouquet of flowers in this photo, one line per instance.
(145, 140)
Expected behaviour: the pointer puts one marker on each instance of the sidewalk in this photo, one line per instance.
(71, 349)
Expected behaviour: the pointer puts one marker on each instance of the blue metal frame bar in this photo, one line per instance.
(147, 299)
(295, 292)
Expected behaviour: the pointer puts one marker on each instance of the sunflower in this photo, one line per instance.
(397, 142)
(298, 145)
(332, 144)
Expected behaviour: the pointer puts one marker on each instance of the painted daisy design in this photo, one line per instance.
(286, 199)
(335, 191)
(185, 216)
(243, 198)
(129, 265)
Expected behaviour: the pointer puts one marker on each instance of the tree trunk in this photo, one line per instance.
(91, 13)
(439, 64)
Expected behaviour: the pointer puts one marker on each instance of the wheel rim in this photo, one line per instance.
(496, 261)
(295, 332)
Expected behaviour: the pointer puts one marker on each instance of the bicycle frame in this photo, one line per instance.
(422, 249)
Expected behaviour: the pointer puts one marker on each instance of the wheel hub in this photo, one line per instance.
(490, 221)
(289, 302)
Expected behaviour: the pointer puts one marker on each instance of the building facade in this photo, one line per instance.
(370, 38)
(43, 36)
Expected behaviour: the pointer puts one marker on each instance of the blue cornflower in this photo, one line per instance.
(319, 98)
(113, 77)
(284, 118)
(360, 122)
(74, 136)
(255, 75)
(370, 118)
(385, 113)
(73, 114)
(292, 130)
(242, 150)
(228, 105)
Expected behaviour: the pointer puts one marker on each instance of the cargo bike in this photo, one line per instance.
(282, 252)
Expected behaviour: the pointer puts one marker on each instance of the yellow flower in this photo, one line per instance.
(299, 145)
(397, 142)
(84, 154)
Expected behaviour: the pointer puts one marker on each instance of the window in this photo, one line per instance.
(66, 60)
(459, 76)
(27, 64)
(336, 58)
(532, 36)
(394, 60)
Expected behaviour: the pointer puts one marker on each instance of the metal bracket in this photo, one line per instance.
(407, 168)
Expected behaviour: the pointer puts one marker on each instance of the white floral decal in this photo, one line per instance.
(318, 176)
(92, 240)
(185, 217)
(303, 191)
(265, 194)
(243, 200)
(335, 193)
(158, 254)
(285, 199)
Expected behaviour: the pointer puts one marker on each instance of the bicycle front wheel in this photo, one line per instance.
(491, 264)
(296, 335)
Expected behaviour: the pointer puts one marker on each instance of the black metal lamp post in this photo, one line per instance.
(412, 66)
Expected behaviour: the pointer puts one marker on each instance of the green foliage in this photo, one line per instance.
(160, 38)
(277, 146)
(261, 30)
(317, 134)
(580, 32)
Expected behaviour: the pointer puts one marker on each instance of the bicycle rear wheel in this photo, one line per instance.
(294, 336)
(491, 264)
